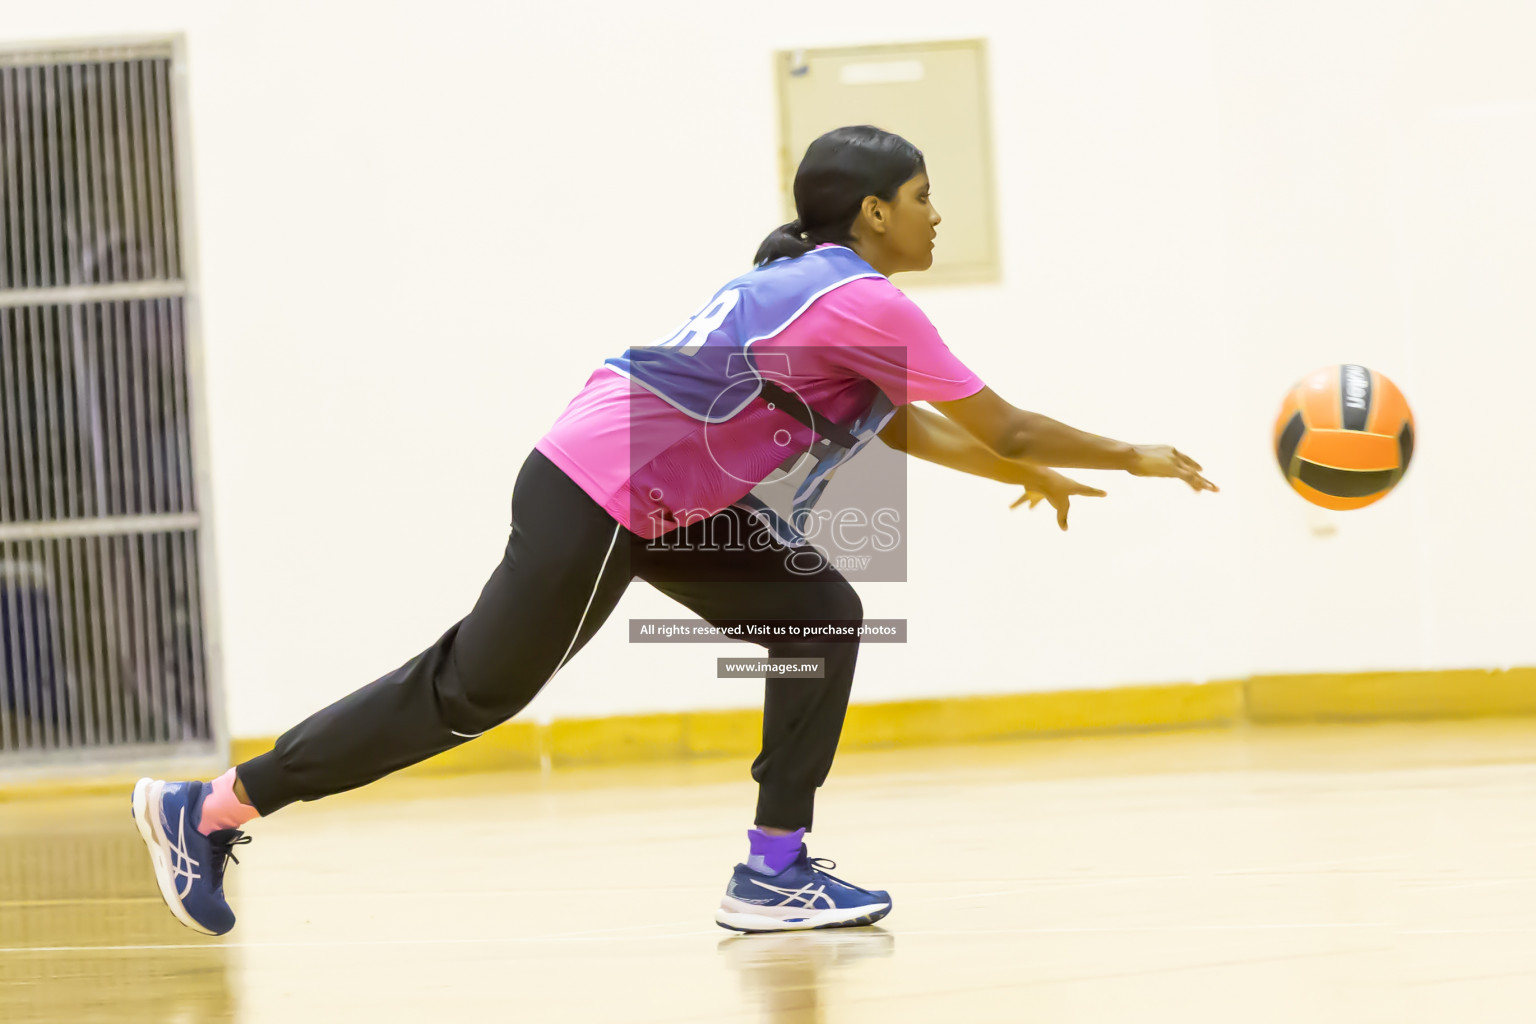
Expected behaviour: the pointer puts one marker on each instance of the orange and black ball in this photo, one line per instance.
(1344, 436)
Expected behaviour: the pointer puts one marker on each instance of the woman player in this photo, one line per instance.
(644, 471)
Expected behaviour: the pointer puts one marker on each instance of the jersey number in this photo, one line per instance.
(691, 336)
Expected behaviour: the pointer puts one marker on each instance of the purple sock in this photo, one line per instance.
(772, 854)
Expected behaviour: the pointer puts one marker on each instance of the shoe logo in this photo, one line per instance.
(181, 861)
(805, 896)
(733, 890)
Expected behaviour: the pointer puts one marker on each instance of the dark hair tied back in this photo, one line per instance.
(786, 240)
(839, 169)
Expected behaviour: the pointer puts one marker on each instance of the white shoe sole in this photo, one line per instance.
(146, 796)
(852, 917)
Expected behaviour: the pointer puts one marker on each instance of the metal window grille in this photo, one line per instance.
(104, 634)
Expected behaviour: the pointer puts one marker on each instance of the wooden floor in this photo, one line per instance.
(1352, 874)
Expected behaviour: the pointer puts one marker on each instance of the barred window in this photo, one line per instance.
(103, 631)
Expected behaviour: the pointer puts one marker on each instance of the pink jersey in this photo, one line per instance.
(651, 465)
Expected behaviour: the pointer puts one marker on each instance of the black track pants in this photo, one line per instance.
(566, 565)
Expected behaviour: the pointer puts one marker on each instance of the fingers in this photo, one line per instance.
(1188, 470)
(1167, 461)
(1062, 501)
(1199, 483)
(1186, 460)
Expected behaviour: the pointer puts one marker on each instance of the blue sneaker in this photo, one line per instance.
(802, 896)
(188, 865)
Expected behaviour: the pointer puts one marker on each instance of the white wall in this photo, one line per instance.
(404, 212)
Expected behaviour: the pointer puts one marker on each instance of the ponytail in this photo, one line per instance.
(839, 169)
(786, 240)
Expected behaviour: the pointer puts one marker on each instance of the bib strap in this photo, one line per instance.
(804, 414)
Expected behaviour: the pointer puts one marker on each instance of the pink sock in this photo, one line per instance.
(221, 808)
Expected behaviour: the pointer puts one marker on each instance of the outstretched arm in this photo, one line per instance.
(928, 436)
(932, 438)
(1019, 434)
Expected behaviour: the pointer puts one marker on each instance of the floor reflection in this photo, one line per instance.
(85, 937)
(793, 976)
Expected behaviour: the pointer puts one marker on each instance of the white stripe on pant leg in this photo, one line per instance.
(590, 598)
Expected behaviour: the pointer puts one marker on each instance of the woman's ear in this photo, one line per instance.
(873, 214)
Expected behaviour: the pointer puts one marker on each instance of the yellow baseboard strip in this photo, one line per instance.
(1369, 696)
(241, 750)
(1259, 700)
(962, 719)
(688, 734)
(620, 738)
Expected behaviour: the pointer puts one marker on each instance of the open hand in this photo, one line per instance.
(1165, 460)
(1048, 485)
